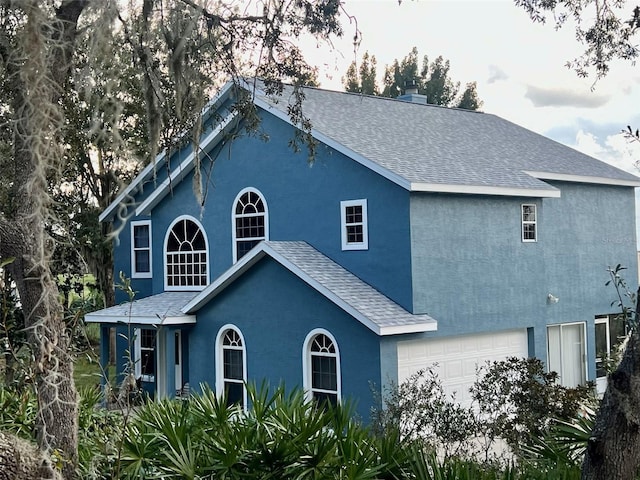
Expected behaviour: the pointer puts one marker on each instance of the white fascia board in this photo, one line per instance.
(486, 190)
(428, 326)
(584, 179)
(109, 212)
(143, 320)
(185, 167)
(321, 137)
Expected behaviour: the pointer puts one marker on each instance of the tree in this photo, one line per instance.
(431, 79)
(363, 79)
(52, 69)
(607, 32)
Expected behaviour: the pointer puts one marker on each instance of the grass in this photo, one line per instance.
(87, 371)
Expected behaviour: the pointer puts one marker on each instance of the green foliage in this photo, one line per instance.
(515, 401)
(518, 400)
(431, 79)
(18, 411)
(419, 409)
(280, 436)
(99, 435)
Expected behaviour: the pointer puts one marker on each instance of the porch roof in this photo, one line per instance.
(162, 309)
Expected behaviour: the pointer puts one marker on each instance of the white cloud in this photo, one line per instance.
(615, 150)
(496, 74)
(563, 97)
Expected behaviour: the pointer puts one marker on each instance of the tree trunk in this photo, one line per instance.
(38, 72)
(614, 446)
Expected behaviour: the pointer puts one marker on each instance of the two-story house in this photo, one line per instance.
(418, 235)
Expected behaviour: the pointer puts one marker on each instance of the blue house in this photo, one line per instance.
(418, 235)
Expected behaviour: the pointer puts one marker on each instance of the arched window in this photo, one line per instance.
(186, 256)
(231, 365)
(250, 222)
(322, 367)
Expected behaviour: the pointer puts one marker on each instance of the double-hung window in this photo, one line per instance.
(250, 222)
(141, 249)
(354, 229)
(529, 223)
(321, 369)
(231, 370)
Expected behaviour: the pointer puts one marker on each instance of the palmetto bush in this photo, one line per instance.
(280, 436)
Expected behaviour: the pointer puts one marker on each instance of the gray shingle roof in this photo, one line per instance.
(359, 299)
(164, 308)
(427, 144)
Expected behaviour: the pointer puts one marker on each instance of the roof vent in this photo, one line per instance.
(410, 87)
(411, 93)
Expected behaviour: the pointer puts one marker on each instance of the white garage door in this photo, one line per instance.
(457, 357)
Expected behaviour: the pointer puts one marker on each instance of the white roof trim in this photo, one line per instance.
(143, 320)
(551, 192)
(411, 328)
(135, 183)
(584, 179)
(108, 212)
(184, 168)
(264, 249)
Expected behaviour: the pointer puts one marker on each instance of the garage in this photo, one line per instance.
(457, 357)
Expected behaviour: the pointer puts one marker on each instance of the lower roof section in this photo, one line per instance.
(162, 309)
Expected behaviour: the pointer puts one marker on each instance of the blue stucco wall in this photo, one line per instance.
(303, 201)
(275, 311)
(473, 273)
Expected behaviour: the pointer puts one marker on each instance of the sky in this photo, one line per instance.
(519, 67)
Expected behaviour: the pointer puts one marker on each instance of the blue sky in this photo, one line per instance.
(519, 67)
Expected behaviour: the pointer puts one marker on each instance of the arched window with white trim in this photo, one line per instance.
(186, 256)
(321, 364)
(250, 222)
(231, 366)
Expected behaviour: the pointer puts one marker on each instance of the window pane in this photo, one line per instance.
(141, 236)
(233, 364)
(572, 355)
(234, 392)
(355, 234)
(602, 349)
(529, 231)
(147, 338)
(147, 362)
(323, 373)
(529, 213)
(324, 399)
(142, 261)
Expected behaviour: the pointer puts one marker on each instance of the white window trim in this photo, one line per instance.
(585, 366)
(138, 356)
(603, 320)
(134, 273)
(219, 361)
(174, 288)
(233, 218)
(364, 245)
(529, 222)
(306, 363)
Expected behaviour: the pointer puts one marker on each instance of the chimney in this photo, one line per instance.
(410, 87)
(411, 93)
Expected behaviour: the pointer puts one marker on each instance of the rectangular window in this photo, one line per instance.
(529, 223)
(145, 354)
(354, 225)
(141, 249)
(566, 353)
